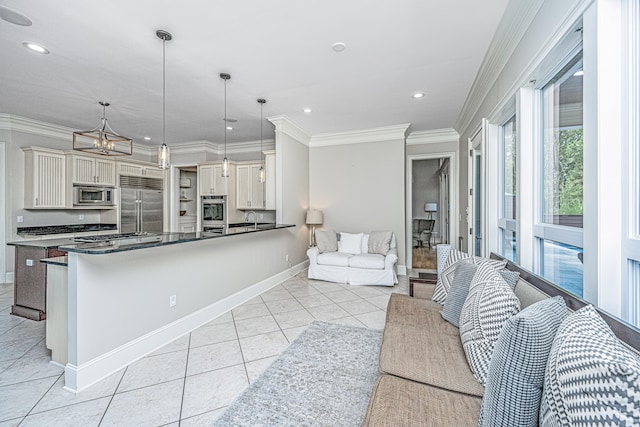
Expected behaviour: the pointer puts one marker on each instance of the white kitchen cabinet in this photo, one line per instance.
(45, 185)
(187, 224)
(91, 170)
(249, 190)
(270, 180)
(211, 182)
(136, 169)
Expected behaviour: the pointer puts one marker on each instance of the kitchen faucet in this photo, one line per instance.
(255, 219)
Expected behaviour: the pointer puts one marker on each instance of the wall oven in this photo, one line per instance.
(214, 212)
(92, 196)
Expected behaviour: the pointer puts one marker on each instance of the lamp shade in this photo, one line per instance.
(314, 217)
(430, 207)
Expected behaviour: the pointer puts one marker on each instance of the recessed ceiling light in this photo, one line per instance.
(578, 73)
(229, 128)
(147, 138)
(35, 47)
(307, 110)
(338, 47)
(417, 95)
(14, 17)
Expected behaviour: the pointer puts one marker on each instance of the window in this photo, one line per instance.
(507, 221)
(559, 227)
(562, 147)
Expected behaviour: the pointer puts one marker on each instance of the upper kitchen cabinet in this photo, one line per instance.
(139, 169)
(270, 180)
(91, 170)
(249, 189)
(211, 182)
(45, 186)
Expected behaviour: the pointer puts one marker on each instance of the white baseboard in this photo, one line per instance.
(8, 277)
(78, 378)
(402, 270)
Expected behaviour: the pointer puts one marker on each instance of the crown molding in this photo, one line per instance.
(515, 22)
(387, 133)
(35, 127)
(433, 136)
(284, 125)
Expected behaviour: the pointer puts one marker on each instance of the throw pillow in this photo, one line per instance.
(464, 272)
(326, 241)
(591, 377)
(511, 277)
(379, 242)
(490, 303)
(446, 276)
(350, 243)
(516, 371)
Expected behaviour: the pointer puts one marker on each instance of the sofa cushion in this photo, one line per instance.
(490, 303)
(350, 243)
(417, 343)
(370, 261)
(364, 246)
(398, 402)
(464, 272)
(379, 242)
(327, 241)
(591, 377)
(338, 259)
(516, 371)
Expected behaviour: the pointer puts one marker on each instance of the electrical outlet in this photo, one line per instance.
(172, 300)
(286, 257)
(80, 217)
(261, 216)
(20, 218)
(29, 263)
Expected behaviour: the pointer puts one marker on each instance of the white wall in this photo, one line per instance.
(359, 185)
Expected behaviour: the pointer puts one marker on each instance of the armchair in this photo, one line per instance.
(422, 231)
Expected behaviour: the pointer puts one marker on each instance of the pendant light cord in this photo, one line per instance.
(164, 66)
(224, 121)
(261, 152)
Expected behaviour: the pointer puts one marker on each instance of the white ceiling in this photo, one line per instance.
(279, 50)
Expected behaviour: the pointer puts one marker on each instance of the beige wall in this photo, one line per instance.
(360, 187)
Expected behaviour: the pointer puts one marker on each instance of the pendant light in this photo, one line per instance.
(261, 175)
(163, 150)
(102, 139)
(225, 162)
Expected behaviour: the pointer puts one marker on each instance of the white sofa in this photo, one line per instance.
(359, 269)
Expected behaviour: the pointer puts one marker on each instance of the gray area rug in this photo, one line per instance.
(324, 378)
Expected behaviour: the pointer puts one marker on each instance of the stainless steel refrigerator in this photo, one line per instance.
(141, 205)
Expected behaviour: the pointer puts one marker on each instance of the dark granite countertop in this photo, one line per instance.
(161, 239)
(43, 243)
(59, 260)
(43, 230)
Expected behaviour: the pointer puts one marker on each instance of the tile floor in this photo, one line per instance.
(190, 381)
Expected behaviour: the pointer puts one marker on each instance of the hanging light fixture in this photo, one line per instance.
(102, 140)
(163, 150)
(225, 162)
(261, 175)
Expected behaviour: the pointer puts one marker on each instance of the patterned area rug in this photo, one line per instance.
(324, 378)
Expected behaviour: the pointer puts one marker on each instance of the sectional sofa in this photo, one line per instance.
(426, 378)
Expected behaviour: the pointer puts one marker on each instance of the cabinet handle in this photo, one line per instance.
(36, 200)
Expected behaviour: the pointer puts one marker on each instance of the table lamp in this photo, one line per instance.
(314, 217)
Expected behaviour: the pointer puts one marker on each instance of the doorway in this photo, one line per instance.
(430, 206)
(184, 207)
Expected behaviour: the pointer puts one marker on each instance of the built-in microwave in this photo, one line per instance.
(92, 196)
(214, 211)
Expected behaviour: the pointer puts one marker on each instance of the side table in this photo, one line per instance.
(428, 278)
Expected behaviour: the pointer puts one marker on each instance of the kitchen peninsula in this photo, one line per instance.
(127, 297)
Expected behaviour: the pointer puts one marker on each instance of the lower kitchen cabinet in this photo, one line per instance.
(187, 224)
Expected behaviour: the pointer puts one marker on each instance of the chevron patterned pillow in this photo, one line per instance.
(591, 377)
(490, 303)
(446, 277)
